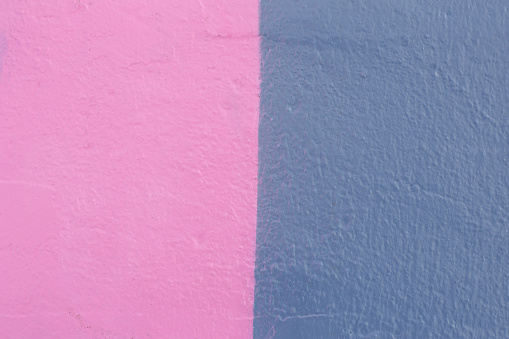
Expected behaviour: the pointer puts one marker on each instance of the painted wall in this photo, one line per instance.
(128, 168)
(383, 206)
(149, 149)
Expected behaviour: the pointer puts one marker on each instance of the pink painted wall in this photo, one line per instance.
(128, 165)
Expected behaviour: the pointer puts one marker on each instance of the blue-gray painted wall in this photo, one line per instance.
(383, 205)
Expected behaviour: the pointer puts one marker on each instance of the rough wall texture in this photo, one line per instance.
(383, 206)
(128, 169)
(128, 166)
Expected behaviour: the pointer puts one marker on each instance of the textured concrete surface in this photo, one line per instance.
(383, 206)
(128, 168)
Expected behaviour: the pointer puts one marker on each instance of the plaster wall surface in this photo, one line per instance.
(383, 206)
(128, 168)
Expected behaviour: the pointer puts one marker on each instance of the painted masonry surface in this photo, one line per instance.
(383, 208)
(128, 171)
(240, 169)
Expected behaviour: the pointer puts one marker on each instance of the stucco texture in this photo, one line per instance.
(128, 168)
(383, 207)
